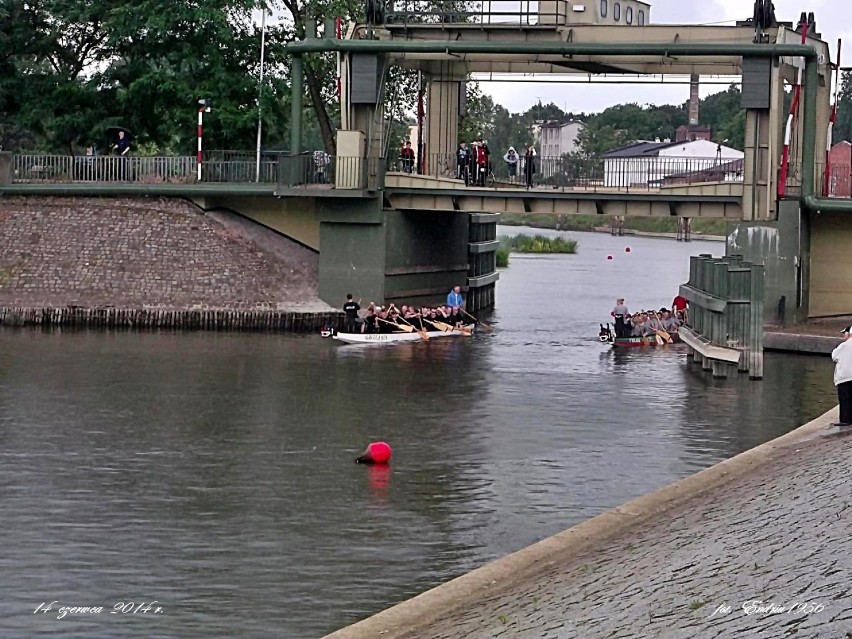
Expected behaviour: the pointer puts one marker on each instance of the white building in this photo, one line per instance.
(656, 163)
(559, 138)
(609, 12)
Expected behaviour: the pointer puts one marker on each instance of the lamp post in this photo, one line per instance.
(260, 91)
(203, 107)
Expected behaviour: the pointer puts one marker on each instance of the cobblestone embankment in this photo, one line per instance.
(148, 263)
(706, 557)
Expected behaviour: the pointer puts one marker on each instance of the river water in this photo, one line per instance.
(213, 473)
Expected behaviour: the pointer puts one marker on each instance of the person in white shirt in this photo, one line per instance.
(842, 358)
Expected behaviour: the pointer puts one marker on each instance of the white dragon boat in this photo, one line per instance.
(388, 338)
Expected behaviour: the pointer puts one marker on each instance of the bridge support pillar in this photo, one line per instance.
(387, 255)
(783, 247)
(763, 99)
(444, 97)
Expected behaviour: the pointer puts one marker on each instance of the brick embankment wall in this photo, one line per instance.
(149, 263)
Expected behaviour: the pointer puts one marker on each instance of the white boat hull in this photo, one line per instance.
(388, 338)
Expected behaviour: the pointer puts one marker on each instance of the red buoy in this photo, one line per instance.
(627, 250)
(609, 257)
(375, 453)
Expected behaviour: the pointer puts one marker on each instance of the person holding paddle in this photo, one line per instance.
(670, 323)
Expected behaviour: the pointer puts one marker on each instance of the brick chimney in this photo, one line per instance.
(693, 99)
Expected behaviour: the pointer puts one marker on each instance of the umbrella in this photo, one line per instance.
(112, 131)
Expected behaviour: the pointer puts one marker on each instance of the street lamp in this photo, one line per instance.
(203, 107)
(260, 91)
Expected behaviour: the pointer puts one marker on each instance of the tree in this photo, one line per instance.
(843, 126)
(724, 114)
(479, 118)
(77, 67)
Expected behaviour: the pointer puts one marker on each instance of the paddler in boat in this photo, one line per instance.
(654, 324)
(411, 316)
(456, 318)
(670, 323)
(369, 325)
(639, 327)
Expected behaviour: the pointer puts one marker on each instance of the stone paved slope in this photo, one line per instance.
(136, 253)
(780, 536)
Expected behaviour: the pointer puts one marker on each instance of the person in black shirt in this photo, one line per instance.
(351, 309)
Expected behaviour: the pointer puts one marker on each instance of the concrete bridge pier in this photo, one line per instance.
(445, 93)
(388, 255)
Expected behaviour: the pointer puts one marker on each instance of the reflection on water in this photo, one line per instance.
(215, 474)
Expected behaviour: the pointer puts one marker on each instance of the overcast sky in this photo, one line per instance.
(833, 21)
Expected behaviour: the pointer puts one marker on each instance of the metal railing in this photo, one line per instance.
(95, 168)
(481, 12)
(590, 173)
(319, 170)
(839, 184)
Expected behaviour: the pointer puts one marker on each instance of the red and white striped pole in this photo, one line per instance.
(203, 106)
(794, 111)
(338, 32)
(200, 129)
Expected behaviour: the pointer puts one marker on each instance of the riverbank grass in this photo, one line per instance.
(502, 257)
(536, 244)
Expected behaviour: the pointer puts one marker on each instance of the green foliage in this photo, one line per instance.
(502, 257)
(843, 125)
(480, 115)
(71, 68)
(537, 244)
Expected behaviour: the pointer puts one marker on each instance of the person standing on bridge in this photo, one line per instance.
(512, 160)
(529, 165)
(463, 162)
(406, 156)
(351, 309)
(842, 358)
(455, 298)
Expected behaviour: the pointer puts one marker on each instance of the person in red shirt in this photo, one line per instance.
(681, 305)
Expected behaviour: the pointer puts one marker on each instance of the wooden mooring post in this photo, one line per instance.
(725, 326)
(684, 229)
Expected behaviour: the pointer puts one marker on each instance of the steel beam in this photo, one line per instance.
(555, 48)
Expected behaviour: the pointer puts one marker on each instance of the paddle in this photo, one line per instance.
(407, 329)
(443, 326)
(487, 327)
(439, 325)
(420, 331)
(662, 334)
